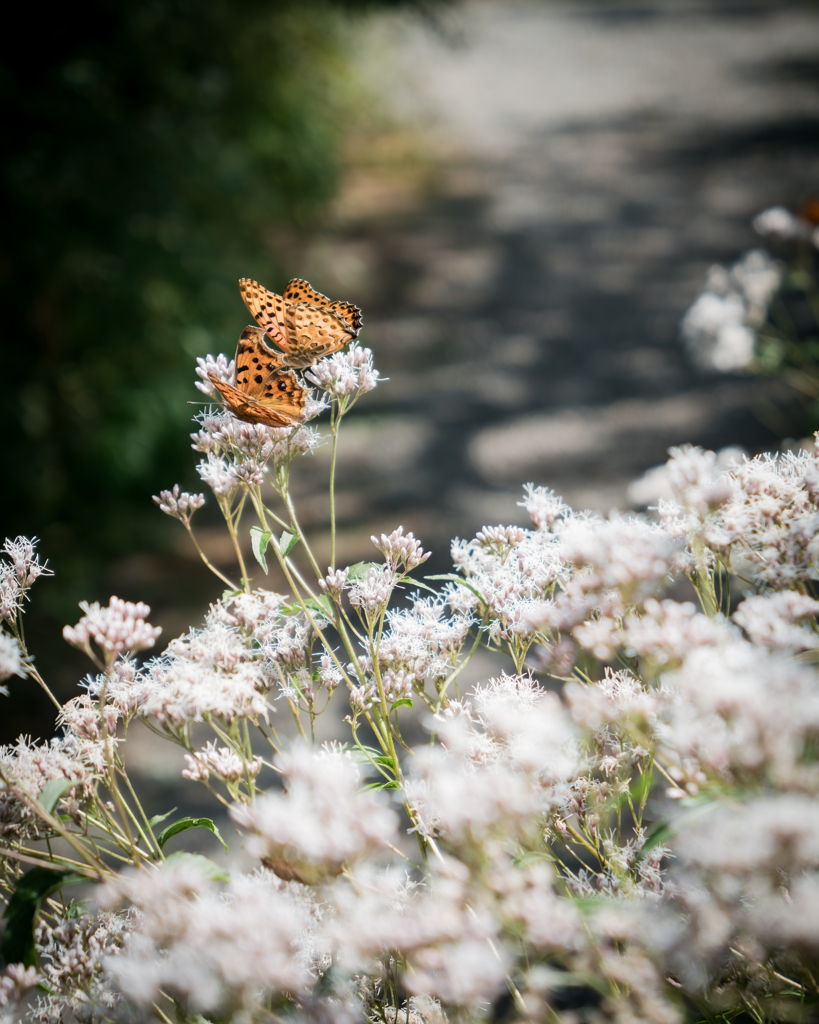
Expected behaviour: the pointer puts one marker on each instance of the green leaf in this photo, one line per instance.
(402, 702)
(366, 753)
(183, 825)
(287, 543)
(416, 583)
(228, 594)
(157, 818)
(390, 784)
(452, 578)
(29, 892)
(359, 571)
(204, 865)
(386, 760)
(259, 539)
(52, 791)
(321, 604)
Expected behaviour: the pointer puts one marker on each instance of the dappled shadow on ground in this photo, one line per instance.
(528, 320)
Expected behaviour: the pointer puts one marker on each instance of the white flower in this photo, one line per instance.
(321, 820)
(220, 367)
(10, 658)
(207, 947)
(771, 620)
(373, 592)
(18, 574)
(345, 373)
(219, 474)
(118, 627)
(778, 221)
(734, 348)
(223, 762)
(544, 506)
(181, 506)
(213, 671)
(403, 553)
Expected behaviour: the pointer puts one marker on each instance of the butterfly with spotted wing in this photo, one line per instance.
(302, 322)
(265, 391)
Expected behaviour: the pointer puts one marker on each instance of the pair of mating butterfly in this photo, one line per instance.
(306, 326)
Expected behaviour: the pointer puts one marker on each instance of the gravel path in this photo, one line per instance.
(598, 157)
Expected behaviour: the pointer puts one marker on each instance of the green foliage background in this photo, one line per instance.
(149, 146)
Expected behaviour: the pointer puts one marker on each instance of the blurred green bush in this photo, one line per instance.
(149, 147)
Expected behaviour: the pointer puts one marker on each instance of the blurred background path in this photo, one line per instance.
(594, 159)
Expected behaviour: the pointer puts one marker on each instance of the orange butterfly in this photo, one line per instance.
(302, 322)
(265, 392)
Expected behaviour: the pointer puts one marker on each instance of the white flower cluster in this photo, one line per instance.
(237, 453)
(720, 328)
(634, 832)
(345, 374)
(180, 506)
(220, 367)
(26, 768)
(17, 573)
(209, 947)
(119, 626)
(322, 819)
(73, 954)
(780, 222)
(11, 663)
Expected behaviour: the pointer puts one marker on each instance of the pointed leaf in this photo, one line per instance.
(52, 791)
(183, 825)
(202, 864)
(157, 818)
(417, 583)
(287, 543)
(259, 539)
(402, 702)
(452, 578)
(359, 571)
(321, 604)
(29, 892)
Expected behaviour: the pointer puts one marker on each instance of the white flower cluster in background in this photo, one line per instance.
(720, 328)
(777, 221)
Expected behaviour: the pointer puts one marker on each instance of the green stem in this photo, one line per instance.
(297, 530)
(32, 671)
(334, 428)
(111, 773)
(207, 562)
(232, 519)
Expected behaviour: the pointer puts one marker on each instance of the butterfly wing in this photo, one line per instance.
(249, 409)
(299, 291)
(254, 357)
(265, 392)
(267, 308)
(313, 332)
